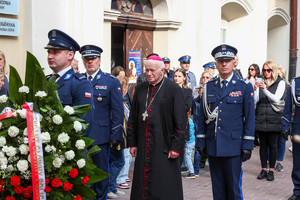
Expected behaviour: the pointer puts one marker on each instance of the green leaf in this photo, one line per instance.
(34, 77)
(85, 191)
(14, 84)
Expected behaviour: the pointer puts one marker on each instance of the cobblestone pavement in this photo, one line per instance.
(253, 189)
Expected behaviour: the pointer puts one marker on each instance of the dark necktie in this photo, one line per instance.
(55, 76)
(224, 85)
(90, 78)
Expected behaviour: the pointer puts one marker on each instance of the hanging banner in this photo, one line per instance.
(36, 155)
(10, 7)
(135, 65)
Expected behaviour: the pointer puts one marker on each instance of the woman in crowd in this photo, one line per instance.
(5, 87)
(123, 175)
(253, 72)
(180, 79)
(267, 121)
(118, 71)
(281, 140)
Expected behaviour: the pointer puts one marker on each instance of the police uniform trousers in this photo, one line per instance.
(101, 160)
(226, 177)
(296, 168)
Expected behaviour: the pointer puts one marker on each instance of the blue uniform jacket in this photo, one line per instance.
(73, 90)
(109, 112)
(233, 128)
(191, 79)
(287, 121)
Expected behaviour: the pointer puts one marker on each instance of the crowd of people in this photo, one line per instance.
(171, 118)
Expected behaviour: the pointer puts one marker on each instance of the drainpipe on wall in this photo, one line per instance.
(293, 40)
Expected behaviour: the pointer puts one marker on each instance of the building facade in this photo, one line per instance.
(259, 29)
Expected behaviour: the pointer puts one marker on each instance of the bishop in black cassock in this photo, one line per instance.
(156, 136)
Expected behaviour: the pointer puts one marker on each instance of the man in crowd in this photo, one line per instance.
(210, 67)
(226, 125)
(73, 88)
(107, 124)
(291, 123)
(74, 65)
(156, 135)
(237, 71)
(168, 72)
(190, 76)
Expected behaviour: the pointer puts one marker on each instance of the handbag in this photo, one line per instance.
(278, 106)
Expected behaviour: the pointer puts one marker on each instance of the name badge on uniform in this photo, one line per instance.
(235, 93)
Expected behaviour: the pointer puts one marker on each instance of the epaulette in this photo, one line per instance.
(243, 80)
(297, 77)
(109, 75)
(79, 76)
(213, 79)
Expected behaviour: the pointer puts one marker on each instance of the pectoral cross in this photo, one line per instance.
(145, 115)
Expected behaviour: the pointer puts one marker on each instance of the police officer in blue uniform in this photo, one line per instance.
(108, 118)
(168, 72)
(74, 89)
(210, 67)
(190, 76)
(291, 125)
(226, 125)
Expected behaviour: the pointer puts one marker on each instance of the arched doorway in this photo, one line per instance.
(133, 30)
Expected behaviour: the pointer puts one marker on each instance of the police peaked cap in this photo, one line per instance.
(61, 40)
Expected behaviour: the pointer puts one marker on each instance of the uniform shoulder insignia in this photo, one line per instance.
(213, 79)
(243, 80)
(297, 77)
(79, 76)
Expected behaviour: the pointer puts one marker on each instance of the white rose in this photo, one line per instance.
(0, 125)
(22, 165)
(45, 137)
(48, 148)
(25, 140)
(80, 144)
(2, 155)
(3, 98)
(53, 148)
(12, 151)
(3, 161)
(63, 138)
(24, 89)
(13, 131)
(40, 94)
(10, 168)
(28, 158)
(57, 119)
(24, 149)
(81, 163)
(77, 126)
(57, 163)
(25, 132)
(69, 110)
(22, 113)
(70, 154)
(2, 141)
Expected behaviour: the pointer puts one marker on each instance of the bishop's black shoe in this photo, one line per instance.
(263, 174)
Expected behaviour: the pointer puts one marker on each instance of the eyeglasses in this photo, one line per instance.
(267, 70)
(251, 69)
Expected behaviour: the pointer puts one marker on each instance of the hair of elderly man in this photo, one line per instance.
(158, 63)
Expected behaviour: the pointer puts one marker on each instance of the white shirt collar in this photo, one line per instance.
(228, 79)
(93, 75)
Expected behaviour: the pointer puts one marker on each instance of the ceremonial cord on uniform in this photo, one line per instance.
(210, 115)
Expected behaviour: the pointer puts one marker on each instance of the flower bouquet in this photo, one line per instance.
(43, 153)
